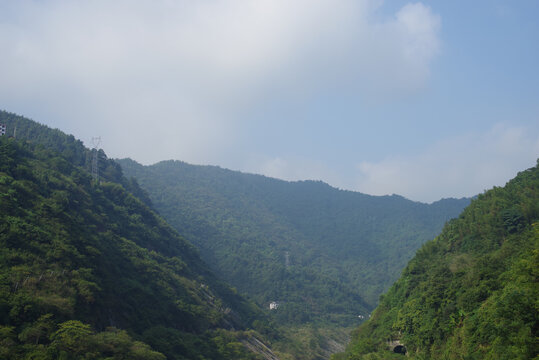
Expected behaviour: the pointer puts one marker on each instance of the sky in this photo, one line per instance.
(428, 99)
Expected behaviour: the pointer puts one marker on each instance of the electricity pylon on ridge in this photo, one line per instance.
(96, 141)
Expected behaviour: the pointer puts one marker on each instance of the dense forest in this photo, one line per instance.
(472, 292)
(325, 254)
(89, 271)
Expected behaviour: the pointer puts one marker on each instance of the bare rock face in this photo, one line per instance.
(259, 347)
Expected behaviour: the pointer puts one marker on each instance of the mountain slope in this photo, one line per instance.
(472, 292)
(68, 148)
(89, 271)
(325, 254)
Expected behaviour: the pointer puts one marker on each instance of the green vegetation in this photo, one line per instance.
(471, 293)
(310, 342)
(89, 271)
(326, 255)
(70, 149)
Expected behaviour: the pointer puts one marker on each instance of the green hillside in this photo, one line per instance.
(89, 271)
(324, 254)
(472, 292)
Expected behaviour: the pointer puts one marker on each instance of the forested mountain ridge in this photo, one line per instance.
(325, 254)
(88, 270)
(472, 292)
(69, 148)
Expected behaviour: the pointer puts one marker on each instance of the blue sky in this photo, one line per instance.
(425, 99)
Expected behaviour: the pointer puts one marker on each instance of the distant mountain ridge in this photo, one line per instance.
(323, 254)
(326, 254)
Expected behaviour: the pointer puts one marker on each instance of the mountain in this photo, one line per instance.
(324, 254)
(89, 270)
(472, 292)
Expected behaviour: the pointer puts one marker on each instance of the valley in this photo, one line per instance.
(183, 261)
(323, 255)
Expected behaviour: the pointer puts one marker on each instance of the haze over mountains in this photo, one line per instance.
(324, 253)
(90, 270)
(376, 96)
(345, 101)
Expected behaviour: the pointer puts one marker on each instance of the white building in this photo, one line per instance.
(273, 305)
(2, 129)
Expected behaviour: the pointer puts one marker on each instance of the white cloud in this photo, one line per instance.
(294, 168)
(170, 79)
(173, 79)
(458, 166)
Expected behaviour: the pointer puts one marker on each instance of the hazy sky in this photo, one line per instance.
(425, 99)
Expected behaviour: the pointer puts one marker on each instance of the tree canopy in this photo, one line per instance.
(472, 292)
(89, 271)
(324, 254)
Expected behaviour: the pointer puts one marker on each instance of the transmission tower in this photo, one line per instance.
(95, 160)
